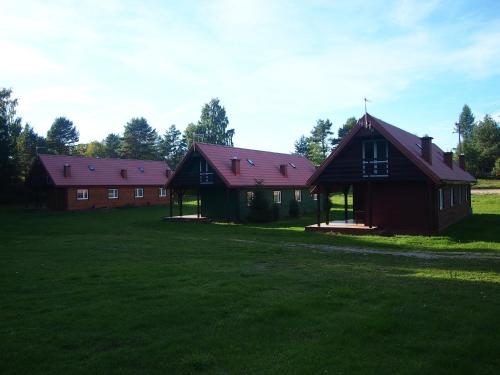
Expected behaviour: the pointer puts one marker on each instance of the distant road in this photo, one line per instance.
(485, 191)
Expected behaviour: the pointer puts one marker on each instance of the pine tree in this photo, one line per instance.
(10, 128)
(112, 145)
(213, 124)
(62, 136)
(139, 140)
(27, 146)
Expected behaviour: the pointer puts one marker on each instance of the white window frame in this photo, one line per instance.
(250, 196)
(113, 193)
(375, 160)
(452, 196)
(298, 195)
(162, 192)
(441, 199)
(315, 196)
(136, 191)
(277, 196)
(466, 193)
(84, 194)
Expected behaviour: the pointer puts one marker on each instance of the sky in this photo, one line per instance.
(276, 66)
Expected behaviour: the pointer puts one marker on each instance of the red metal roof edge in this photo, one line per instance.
(401, 147)
(41, 157)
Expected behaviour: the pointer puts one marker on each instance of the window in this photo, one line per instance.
(277, 197)
(460, 194)
(82, 194)
(112, 193)
(91, 167)
(206, 176)
(452, 197)
(375, 158)
(141, 169)
(250, 161)
(250, 196)
(298, 195)
(139, 193)
(293, 165)
(315, 197)
(467, 191)
(162, 192)
(441, 199)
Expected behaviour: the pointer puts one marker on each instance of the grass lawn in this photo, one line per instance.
(121, 292)
(487, 184)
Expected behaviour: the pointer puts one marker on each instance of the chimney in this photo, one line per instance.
(461, 161)
(67, 170)
(168, 172)
(448, 159)
(284, 169)
(427, 148)
(235, 165)
(123, 173)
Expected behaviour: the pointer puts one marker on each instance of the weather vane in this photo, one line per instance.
(366, 111)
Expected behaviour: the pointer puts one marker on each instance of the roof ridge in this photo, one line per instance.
(252, 149)
(101, 158)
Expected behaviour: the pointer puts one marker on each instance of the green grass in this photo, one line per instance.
(487, 184)
(121, 292)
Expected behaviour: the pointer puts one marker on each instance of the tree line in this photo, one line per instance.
(480, 144)
(321, 141)
(19, 144)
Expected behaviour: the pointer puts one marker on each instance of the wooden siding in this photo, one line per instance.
(348, 167)
(189, 175)
(452, 214)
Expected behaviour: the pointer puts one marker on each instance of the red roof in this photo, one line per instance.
(408, 144)
(265, 168)
(105, 171)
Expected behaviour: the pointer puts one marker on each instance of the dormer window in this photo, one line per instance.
(375, 154)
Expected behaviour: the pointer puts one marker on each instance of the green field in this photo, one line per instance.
(121, 292)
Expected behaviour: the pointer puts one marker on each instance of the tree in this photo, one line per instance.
(27, 146)
(259, 206)
(320, 136)
(62, 136)
(190, 133)
(302, 146)
(139, 140)
(213, 124)
(482, 147)
(172, 146)
(10, 128)
(112, 145)
(96, 149)
(344, 129)
(465, 125)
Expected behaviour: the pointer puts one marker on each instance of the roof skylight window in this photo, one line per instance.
(250, 161)
(91, 167)
(293, 165)
(141, 169)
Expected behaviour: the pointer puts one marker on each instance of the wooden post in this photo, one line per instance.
(370, 207)
(171, 203)
(318, 208)
(226, 210)
(198, 203)
(180, 203)
(327, 207)
(346, 215)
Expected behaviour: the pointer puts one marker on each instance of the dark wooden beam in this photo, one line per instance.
(346, 215)
(370, 206)
(171, 193)
(318, 209)
(327, 207)
(180, 203)
(198, 202)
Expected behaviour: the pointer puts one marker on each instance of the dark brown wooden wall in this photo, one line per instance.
(347, 166)
(189, 174)
(450, 215)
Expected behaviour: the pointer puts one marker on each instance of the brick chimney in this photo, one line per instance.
(461, 161)
(284, 169)
(123, 173)
(448, 159)
(235, 166)
(67, 170)
(427, 148)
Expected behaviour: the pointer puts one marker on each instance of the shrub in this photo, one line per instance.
(294, 209)
(259, 206)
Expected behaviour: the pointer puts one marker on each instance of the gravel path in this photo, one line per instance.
(365, 251)
(485, 191)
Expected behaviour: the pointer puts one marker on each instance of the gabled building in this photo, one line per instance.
(76, 182)
(224, 178)
(400, 183)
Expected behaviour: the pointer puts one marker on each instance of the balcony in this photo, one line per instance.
(206, 178)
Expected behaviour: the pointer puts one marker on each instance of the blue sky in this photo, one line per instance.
(277, 66)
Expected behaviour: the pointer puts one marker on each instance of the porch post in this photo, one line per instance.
(370, 208)
(318, 209)
(346, 215)
(327, 207)
(180, 203)
(198, 203)
(171, 193)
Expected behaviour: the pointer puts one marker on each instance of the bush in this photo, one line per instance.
(259, 206)
(275, 211)
(294, 209)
